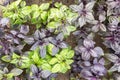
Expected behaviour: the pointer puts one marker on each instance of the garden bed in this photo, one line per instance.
(60, 40)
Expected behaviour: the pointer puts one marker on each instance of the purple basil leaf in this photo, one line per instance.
(21, 36)
(34, 69)
(34, 46)
(29, 40)
(86, 73)
(45, 73)
(88, 43)
(16, 40)
(4, 21)
(55, 50)
(99, 51)
(98, 69)
(24, 29)
(14, 32)
(60, 36)
(42, 51)
(37, 34)
(85, 56)
(93, 53)
(52, 40)
(102, 61)
(63, 45)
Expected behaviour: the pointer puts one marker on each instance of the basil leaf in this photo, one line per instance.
(53, 61)
(56, 68)
(16, 71)
(6, 58)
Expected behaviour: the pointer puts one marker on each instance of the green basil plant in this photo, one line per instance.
(58, 18)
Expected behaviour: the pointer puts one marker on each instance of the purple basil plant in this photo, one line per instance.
(88, 49)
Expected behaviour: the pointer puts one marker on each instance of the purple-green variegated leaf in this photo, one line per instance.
(112, 57)
(89, 17)
(90, 6)
(115, 46)
(102, 17)
(114, 68)
(16, 71)
(95, 28)
(5, 70)
(76, 8)
(82, 21)
(103, 28)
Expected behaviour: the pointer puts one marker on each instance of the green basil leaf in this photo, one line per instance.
(10, 75)
(69, 30)
(15, 56)
(49, 48)
(53, 61)
(25, 62)
(44, 15)
(63, 68)
(26, 10)
(36, 14)
(6, 58)
(63, 8)
(1, 76)
(64, 52)
(70, 54)
(68, 62)
(46, 66)
(59, 57)
(14, 61)
(56, 68)
(53, 25)
(23, 4)
(36, 56)
(44, 6)
(58, 5)
(34, 7)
